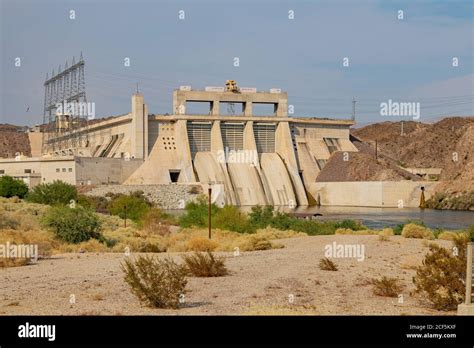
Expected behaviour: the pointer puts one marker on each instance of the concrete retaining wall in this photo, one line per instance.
(372, 193)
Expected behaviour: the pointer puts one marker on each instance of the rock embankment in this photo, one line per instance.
(165, 196)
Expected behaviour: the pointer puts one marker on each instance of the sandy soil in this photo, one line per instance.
(262, 282)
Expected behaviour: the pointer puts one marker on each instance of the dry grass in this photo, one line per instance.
(200, 243)
(225, 240)
(327, 265)
(385, 231)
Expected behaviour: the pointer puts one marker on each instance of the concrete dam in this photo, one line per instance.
(247, 159)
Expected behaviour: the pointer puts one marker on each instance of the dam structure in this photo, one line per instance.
(247, 159)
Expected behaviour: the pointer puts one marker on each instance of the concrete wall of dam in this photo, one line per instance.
(388, 194)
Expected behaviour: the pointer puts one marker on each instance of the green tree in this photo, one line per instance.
(57, 192)
(73, 225)
(132, 207)
(10, 187)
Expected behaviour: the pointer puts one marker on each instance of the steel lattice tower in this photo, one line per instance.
(63, 132)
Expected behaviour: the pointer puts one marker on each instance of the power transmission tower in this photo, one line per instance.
(64, 105)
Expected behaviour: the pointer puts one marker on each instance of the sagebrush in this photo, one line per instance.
(205, 265)
(156, 282)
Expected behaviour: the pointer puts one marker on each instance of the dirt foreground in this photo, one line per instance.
(280, 281)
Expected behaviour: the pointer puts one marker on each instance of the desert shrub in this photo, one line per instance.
(440, 279)
(261, 217)
(383, 238)
(201, 244)
(11, 187)
(255, 242)
(397, 230)
(470, 233)
(73, 225)
(57, 192)
(156, 282)
(232, 219)
(327, 265)
(388, 287)
(197, 213)
(205, 265)
(416, 231)
(97, 203)
(352, 224)
(447, 235)
(132, 206)
(460, 201)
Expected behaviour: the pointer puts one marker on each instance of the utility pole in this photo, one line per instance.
(125, 209)
(209, 209)
(402, 130)
(353, 109)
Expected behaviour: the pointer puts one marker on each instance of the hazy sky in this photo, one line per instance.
(409, 60)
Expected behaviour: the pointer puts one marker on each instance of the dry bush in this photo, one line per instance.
(255, 242)
(388, 287)
(156, 282)
(447, 235)
(327, 265)
(201, 244)
(440, 279)
(416, 231)
(384, 238)
(205, 265)
(387, 232)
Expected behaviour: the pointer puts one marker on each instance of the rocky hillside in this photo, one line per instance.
(13, 139)
(447, 144)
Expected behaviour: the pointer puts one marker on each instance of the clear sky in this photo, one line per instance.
(409, 60)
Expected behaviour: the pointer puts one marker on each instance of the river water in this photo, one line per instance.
(377, 218)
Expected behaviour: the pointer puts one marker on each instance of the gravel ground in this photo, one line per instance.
(280, 281)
